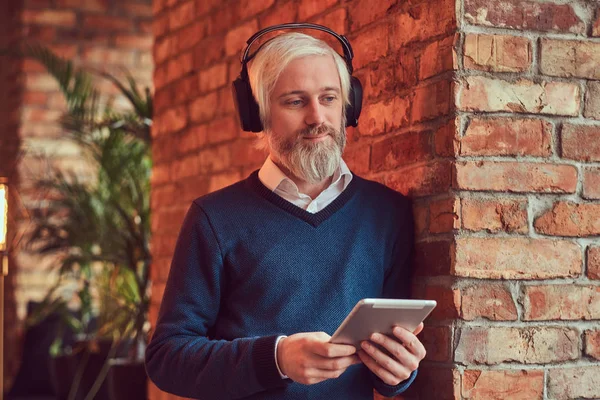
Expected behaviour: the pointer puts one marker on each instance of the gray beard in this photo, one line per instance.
(311, 162)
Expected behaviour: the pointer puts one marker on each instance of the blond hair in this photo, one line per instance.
(275, 56)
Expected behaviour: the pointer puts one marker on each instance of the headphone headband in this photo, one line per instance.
(348, 53)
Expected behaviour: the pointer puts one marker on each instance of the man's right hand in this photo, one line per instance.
(309, 358)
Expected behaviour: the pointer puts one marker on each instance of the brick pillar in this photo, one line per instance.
(101, 34)
(485, 113)
(528, 144)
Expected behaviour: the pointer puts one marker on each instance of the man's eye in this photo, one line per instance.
(294, 102)
(329, 99)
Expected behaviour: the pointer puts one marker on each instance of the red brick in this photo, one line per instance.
(593, 262)
(161, 173)
(63, 19)
(478, 93)
(436, 340)
(524, 14)
(222, 19)
(431, 101)
(219, 181)
(384, 116)
(401, 149)
(570, 219)
(161, 196)
(192, 139)
(592, 100)
(432, 382)
(574, 383)
(530, 345)
(222, 130)
(40, 82)
(106, 23)
(336, 21)
(45, 34)
(422, 180)
(213, 78)
(491, 301)
(191, 35)
(204, 6)
(421, 218)
(357, 157)
(448, 301)
(64, 50)
(592, 343)
(378, 79)
(591, 183)
(444, 215)
(170, 121)
(280, 13)
(135, 41)
(516, 177)
(580, 142)
(494, 215)
(596, 24)
(498, 53)
(433, 258)
(244, 153)
(160, 25)
(503, 384)
(168, 220)
(85, 5)
(310, 8)
(507, 137)
(185, 89)
(163, 49)
(203, 109)
(180, 66)
(406, 69)
(370, 45)
(423, 22)
(39, 98)
(446, 139)
(364, 12)
(516, 258)
(250, 8)
(437, 58)
(182, 15)
(570, 58)
(235, 39)
(561, 302)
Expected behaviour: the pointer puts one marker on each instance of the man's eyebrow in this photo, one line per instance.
(323, 89)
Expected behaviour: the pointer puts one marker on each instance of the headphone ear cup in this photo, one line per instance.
(246, 106)
(355, 107)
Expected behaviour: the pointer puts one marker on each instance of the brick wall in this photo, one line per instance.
(483, 115)
(101, 34)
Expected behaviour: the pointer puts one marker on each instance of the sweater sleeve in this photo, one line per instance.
(397, 286)
(181, 358)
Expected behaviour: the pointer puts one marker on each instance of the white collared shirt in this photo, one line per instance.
(273, 178)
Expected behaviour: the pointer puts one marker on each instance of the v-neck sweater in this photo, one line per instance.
(250, 266)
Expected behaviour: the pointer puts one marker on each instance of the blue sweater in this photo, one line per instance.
(250, 266)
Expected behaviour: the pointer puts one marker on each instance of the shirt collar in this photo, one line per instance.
(273, 177)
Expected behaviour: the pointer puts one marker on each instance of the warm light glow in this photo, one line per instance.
(3, 215)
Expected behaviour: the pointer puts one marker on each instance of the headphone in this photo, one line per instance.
(247, 106)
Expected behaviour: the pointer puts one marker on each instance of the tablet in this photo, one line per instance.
(381, 315)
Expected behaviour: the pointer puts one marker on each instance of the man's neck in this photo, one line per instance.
(311, 189)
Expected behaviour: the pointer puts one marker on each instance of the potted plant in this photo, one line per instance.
(101, 227)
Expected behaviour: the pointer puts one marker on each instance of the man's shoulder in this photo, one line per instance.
(379, 193)
(226, 197)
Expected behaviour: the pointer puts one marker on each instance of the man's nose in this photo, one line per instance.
(315, 113)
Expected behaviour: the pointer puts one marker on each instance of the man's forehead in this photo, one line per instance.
(318, 72)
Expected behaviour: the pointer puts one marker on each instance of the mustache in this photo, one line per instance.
(318, 130)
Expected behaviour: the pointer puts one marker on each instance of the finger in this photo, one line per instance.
(331, 350)
(397, 350)
(399, 370)
(378, 370)
(418, 329)
(410, 342)
(334, 364)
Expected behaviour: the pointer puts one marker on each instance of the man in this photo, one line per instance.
(264, 268)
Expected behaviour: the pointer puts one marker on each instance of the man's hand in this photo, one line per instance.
(309, 358)
(405, 354)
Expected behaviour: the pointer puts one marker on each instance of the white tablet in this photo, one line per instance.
(381, 315)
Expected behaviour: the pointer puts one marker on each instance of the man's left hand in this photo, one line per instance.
(405, 354)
